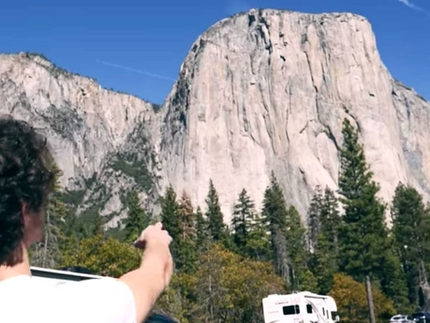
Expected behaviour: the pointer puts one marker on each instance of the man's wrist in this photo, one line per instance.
(153, 265)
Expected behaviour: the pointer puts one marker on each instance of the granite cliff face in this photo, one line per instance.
(261, 91)
(100, 138)
(268, 90)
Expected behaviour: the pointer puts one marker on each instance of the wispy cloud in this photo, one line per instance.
(411, 5)
(130, 69)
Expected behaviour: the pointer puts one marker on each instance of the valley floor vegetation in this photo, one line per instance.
(224, 271)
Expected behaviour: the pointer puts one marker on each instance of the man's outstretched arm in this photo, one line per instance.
(154, 274)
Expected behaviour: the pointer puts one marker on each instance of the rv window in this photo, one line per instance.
(323, 311)
(290, 310)
(309, 308)
(333, 315)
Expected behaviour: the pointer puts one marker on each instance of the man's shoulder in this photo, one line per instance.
(105, 300)
(104, 297)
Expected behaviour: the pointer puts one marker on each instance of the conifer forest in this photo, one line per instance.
(224, 270)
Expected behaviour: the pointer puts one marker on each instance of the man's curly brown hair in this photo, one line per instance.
(26, 176)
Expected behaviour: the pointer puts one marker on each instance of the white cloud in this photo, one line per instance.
(411, 5)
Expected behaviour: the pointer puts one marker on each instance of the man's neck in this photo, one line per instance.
(22, 268)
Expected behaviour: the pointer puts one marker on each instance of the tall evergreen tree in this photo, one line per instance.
(296, 242)
(243, 217)
(363, 238)
(258, 243)
(363, 234)
(186, 216)
(275, 217)
(187, 253)
(97, 226)
(216, 225)
(325, 259)
(314, 219)
(170, 218)
(330, 220)
(202, 234)
(48, 252)
(410, 227)
(136, 219)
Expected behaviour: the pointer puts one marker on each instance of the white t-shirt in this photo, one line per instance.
(25, 299)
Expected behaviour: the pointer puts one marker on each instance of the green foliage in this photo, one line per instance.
(365, 248)
(170, 218)
(314, 218)
(222, 276)
(132, 166)
(363, 236)
(187, 251)
(351, 300)
(47, 253)
(258, 243)
(242, 220)
(230, 288)
(107, 257)
(215, 218)
(275, 218)
(411, 227)
(136, 220)
(202, 231)
(295, 237)
(324, 226)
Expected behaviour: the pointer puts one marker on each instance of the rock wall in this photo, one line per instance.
(262, 91)
(268, 90)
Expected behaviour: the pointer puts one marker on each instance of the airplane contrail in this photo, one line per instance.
(162, 77)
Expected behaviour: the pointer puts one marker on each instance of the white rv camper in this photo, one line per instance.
(301, 307)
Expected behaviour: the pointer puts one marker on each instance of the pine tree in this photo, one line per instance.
(216, 226)
(136, 220)
(330, 220)
(97, 226)
(258, 243)
(363, 234)
(314, 219)
(202, 234)
(363, 237)
(325, 260)
(187, 252)
(243, 216)
(170, 218)
(296, 242)
(48, 252)
(275, 217)
(186, 216)
(324, 264)
(410, 227)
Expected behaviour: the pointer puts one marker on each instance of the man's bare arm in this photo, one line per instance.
(152, 277)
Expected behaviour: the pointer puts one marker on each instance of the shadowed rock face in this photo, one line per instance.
(261, 91)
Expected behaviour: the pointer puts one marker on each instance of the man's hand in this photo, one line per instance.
(156, 243)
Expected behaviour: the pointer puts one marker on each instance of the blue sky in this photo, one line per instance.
(151, 38)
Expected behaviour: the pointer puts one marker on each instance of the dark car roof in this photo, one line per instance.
(425, 314)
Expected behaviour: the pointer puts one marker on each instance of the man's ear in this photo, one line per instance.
(25, 213)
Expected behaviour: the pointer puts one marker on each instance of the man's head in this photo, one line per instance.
(26, 180)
